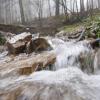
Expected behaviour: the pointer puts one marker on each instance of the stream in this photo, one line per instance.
(74, 75)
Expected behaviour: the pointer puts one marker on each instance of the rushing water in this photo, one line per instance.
(73, 54)
(65, 82)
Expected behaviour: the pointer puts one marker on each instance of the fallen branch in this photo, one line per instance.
(81, 35)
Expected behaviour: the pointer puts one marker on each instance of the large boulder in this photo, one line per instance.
(38, 44)
(23, 64)
(18, 43)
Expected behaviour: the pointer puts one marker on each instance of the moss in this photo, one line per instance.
(2, 40)
(71, 28)
(87, 22)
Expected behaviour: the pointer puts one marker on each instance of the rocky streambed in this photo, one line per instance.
(48, 68)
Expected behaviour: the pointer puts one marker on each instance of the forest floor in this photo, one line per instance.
(51, 26)
(84, 23)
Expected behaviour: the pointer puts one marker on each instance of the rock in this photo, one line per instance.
(39, 44)
(98, 58)
(65, 84)
(21, 37)
(18, 43)
(95, 43)
(97, 62)
(61, 33)
(87, 62)
(24, 65)
(2, 49)
(38, 62)
(16, 48)
(29, 47)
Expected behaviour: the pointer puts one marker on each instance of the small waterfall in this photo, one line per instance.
(65, 82)
(73, 54)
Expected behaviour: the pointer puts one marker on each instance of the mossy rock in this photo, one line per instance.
(2, 40)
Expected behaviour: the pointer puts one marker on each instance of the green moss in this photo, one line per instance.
(85, 23)
(71, 28)
(2, 40)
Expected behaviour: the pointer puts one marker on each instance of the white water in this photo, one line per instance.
(64, 84)
(67, 83)
(68, 53)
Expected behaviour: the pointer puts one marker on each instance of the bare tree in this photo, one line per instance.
(49, 7)
(13, 11)
(22, 12)
(82, 8)
(99, 4)
(57, 12)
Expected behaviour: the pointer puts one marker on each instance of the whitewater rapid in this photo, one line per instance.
(69, 79)
(70, 53)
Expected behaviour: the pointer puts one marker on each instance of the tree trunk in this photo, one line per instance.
(57, 8)
(49, 7)
(22, 12)
(82, 8)
(99, 4)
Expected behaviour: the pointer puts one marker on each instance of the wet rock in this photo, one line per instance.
(95, 43)
(39, 44)
(2, 49)
(16, 48)
(65, 84)
(18, 43)
(61, 33)
(29, 47)
(27, 65)
(87, 62)
(98, 57)
(38, 63)
(97, 62)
